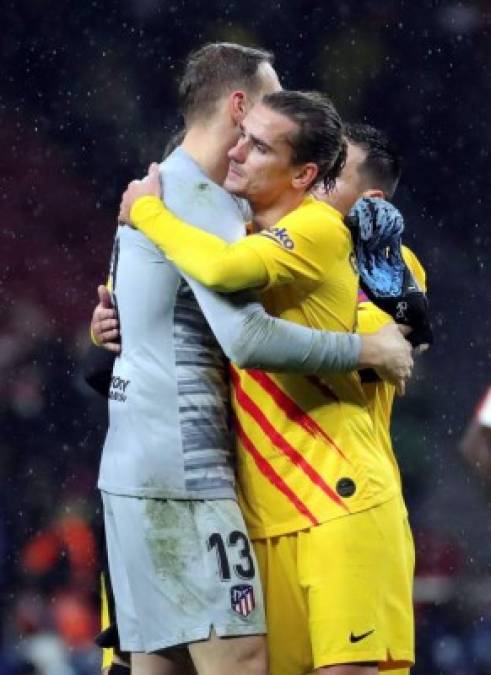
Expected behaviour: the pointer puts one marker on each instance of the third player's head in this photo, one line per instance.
(288, 141)
(372, 169)
(221, 83)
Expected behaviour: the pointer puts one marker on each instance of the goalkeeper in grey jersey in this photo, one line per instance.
(181, 563)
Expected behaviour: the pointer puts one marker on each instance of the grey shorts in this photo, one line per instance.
(180, 569)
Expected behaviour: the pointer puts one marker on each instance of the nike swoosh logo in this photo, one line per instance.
(362, 636)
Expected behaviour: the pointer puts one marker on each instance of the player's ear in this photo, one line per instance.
(304, 176)
(237, 105)
(380, 194)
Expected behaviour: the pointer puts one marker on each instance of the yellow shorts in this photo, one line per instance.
(341, 592)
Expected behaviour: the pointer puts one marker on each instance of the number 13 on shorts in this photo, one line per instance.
(234, 559)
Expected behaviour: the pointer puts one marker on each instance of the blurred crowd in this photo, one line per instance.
(88, 98)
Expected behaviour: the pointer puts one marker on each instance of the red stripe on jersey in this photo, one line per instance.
(267, 470)
(291, 409)
(247, 404)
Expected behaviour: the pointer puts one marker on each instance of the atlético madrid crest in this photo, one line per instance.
(242, 599)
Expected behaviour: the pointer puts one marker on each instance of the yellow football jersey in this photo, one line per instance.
(306, 446)
(380, 394)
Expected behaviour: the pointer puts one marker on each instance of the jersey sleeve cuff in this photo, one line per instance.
(145, 206)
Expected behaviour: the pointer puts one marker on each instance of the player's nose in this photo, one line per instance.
(239, 151)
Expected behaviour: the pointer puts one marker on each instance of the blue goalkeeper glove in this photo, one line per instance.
(377, 227)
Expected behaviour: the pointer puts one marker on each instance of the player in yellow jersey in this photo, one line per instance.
(318, 492)
(373, 170)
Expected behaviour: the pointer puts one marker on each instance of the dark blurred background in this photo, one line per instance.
(87, 99)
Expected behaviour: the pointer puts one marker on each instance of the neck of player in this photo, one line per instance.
(208, 147)
(267, 213)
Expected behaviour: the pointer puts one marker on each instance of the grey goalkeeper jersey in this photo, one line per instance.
(169, 432)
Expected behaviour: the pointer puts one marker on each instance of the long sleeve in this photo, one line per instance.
(213, 262)
(251, 338)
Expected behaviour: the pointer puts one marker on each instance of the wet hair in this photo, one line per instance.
(382, 164)
(214, 70)
(319, 137)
